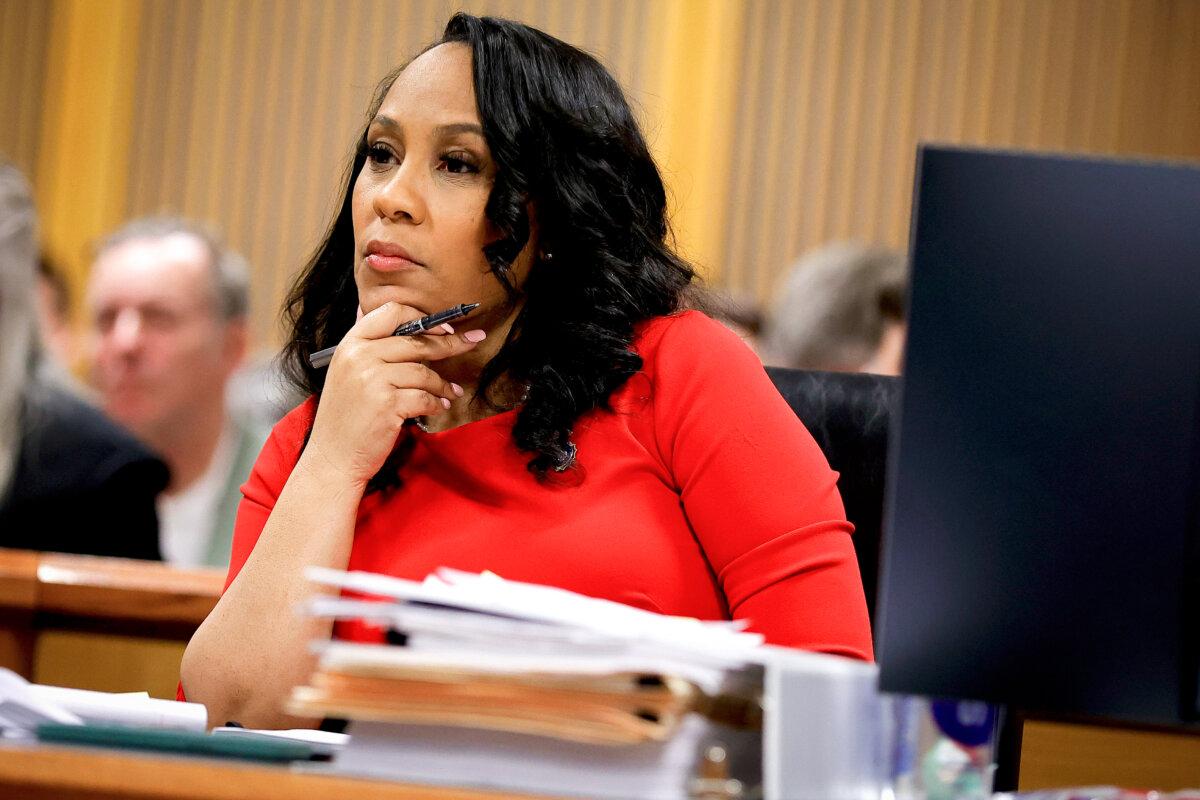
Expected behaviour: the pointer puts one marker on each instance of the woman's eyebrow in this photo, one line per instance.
(459, 127)
(386, 122)
(448, 129)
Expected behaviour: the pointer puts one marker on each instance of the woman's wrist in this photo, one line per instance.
(326, 472)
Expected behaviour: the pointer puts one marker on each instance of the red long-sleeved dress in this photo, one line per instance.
(699, 494)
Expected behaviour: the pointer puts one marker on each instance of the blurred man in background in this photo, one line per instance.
(167, 306)
(840, 308)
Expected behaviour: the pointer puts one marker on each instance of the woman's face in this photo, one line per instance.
(418, 202)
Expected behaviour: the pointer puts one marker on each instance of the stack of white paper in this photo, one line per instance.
(24, 706)
(534, 689)
(541, 765)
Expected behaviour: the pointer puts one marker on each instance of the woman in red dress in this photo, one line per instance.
(578, 429)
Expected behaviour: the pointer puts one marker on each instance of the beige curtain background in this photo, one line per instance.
(780, 124)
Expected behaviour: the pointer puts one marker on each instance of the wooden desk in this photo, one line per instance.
(40, 772)
(117, 625)
(100, 623)
(1061, 754)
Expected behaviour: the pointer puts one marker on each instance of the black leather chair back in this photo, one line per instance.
(849, 414)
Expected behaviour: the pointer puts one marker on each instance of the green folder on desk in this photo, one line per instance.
(176, 741)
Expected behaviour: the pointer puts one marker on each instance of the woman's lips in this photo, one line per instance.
(387, 256)
(384, 263)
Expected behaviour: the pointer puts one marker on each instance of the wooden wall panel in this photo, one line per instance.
(827, 135)
(84, 144)
(245, 111)
(24, 32)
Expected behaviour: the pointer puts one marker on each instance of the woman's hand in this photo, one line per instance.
(375, 382)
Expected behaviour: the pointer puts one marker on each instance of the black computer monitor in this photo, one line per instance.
(1041, 544)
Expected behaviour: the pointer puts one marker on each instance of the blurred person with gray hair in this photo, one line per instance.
(167, 305)
(840, 308)
(69, 477)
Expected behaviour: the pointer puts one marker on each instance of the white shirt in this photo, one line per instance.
(185, 519)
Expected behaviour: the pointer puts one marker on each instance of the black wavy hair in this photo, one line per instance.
(565, 143)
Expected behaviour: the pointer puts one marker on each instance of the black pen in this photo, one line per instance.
(321, 358)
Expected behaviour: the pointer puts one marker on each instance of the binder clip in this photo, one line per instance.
(714, 782)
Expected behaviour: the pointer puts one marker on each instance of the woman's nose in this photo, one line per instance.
(402, 196)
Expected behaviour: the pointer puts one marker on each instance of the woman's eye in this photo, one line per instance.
(458, 164)
(380, 154)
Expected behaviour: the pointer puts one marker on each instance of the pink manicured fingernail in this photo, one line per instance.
(458, 390)
(445, 403)
(446, 327)
(474, 336)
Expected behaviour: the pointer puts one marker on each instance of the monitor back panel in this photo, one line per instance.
(1042, 496)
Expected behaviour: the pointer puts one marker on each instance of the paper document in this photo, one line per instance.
(25, 705)
(325, 743)
(490, 594)
(135, 710)
(21, 711)
(719, 644)
(536, 765)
